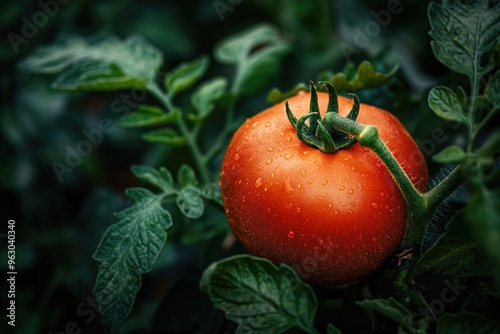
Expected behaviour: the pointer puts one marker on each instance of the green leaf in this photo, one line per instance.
(99, 64)
(164, 136)
(147, 115)
(364, 77)
(204, 98)
(451, 154)
(127, 250)
(392, 309)
(186, 176)
(455, 253)
(190, 202)
(492, 90)
(275, 95)
(161, 179)
(256, 52)
(186, 74)
(211, 191)
(466, 322)
(463, 33)
(444, 102)
(258, 296)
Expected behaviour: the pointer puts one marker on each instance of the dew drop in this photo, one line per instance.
(387, 207)
(269, 149)
(341, 187)
(243, 198)
(288, 138)
(260, 167)
(350, 191)
(255, 124)
(330, 205)
(374, 239)
(265, 188)
(268, 124)
(289, 205)
(258, 182)
(375, 205)
(353, 204)
(324, 182)
(272, 175)
(288, 156)
(282, 170)
(309, 181)
(336, 212)
(291, 235)
(298, 209)
(233, 167)
(288, 186)
(303, 173)
(349, 211)
(321, 241)
(236, 157)
(269, 161)
(239, 182)
(299, 186)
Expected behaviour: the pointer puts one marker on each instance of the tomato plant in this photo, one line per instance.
(377, 212)
(334, 218)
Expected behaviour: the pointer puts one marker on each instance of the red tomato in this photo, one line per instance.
(334, 218)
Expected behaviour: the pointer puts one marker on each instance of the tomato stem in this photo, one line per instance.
(190, 135)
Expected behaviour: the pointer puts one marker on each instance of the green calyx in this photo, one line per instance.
(322, 133)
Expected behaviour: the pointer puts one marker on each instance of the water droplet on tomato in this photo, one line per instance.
(330, 205)
(288, 156)
(299, 186)
(298, 209)
(291, 235)
(282, 170)
(375, 205)
(255, 124)
(236, 157)
(258, 182)
(341, 187)
(233, 167)
(269, 149)
(324, 182)
(268, 124)
(243, 198)
(349, 211)
(309, 181)
(350, 191)
(321, 241)
(303, 173)
(288, 138)
(269, 161)
(265, 189)
(374, 239)
(336, 212)
(288, 186)
(353, 204)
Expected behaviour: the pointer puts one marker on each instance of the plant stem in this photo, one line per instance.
(190, 136)
(217, 147)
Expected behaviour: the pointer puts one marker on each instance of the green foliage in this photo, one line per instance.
(204, 98)
(256, 53)
(185, 75)
(463, 33)
(444, 102)
(258, 296)
(128, 249)
(147, 115)
(352, 79)
(451, 154)
(102, 64)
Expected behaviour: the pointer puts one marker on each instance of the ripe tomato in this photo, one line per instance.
(334, 218)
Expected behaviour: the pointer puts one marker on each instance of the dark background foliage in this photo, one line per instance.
(60, 222)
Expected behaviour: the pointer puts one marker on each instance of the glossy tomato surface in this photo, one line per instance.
(334, 218)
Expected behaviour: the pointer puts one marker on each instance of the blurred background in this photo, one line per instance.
(59, 222)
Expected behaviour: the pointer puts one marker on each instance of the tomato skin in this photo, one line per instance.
(334, 218)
